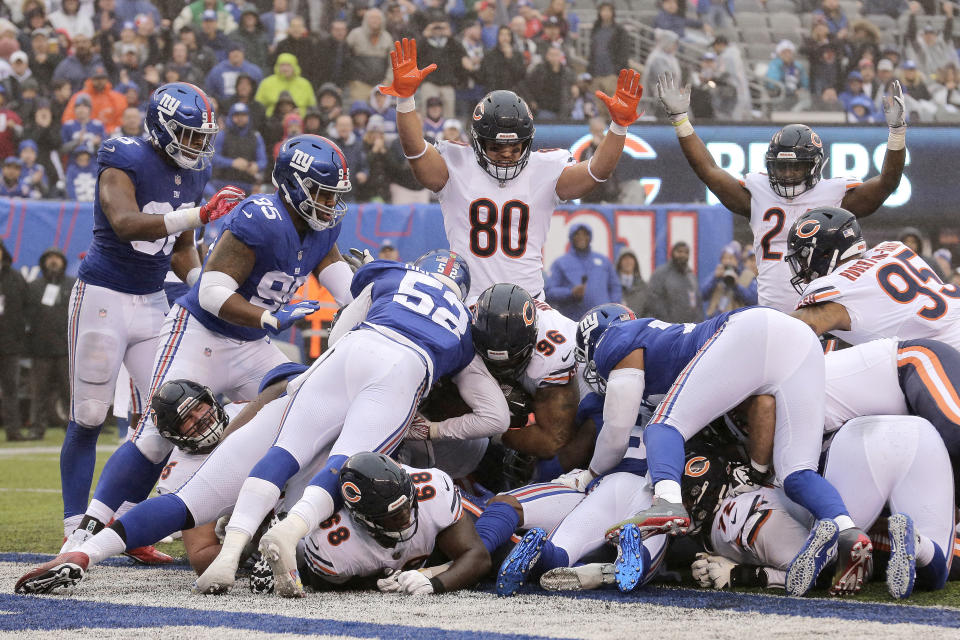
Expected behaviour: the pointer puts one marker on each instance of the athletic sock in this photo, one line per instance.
(78, 457)
(496, 524)
(105, 544)
(664, 452)
(815, 494)
(257, 498)
(933, 575)
(153, 520)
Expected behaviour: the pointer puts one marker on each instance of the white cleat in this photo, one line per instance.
(279, 548)
(218, 578)
(587, 576)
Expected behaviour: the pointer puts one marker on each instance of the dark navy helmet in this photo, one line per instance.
(589, 330)
(381, 497)
(180, 121)
(308, 169)
(502, 117)
(505, 330)
(794, 160)
(187, 414)
(448, 267)
(820, 240)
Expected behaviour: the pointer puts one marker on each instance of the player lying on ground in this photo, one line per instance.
(897, 462)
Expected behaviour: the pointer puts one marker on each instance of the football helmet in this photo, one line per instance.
(188, 415)
(307, 170)
(180, 121)
(381, 497)
(448, 267)
(589, 330)
(505, 330)
(819, 240)
(705, 483)
(794, 160)
(502, 117)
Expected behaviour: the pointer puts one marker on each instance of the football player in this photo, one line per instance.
(148, 193)
(360, 396)
(754, 535)
(496, 214)
(791, 186)
(217, 333)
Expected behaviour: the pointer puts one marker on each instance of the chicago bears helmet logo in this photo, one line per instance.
(301, 161)
(696, 467)
(478, 112)
(815, 139)
(351, 492)
(808, 228)
(527, 313)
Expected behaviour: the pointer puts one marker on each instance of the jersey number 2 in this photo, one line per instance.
(483, 232)
(778, 216)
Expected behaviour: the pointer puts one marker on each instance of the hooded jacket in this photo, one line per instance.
(581, 267)
(272, 86)
(634, 287)
(13, 299)
(48, 298)
(106, 106)
(235, 142)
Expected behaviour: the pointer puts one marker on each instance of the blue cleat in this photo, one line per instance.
(817, 551)
(629, 564)
(515, 568)
(902, 567)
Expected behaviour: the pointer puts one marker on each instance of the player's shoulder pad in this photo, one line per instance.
(253, 222)
(445, 504)
(448, 148)
(818, 291)
(122, 153)
(286, 371)
(755, 180)
(371, 271)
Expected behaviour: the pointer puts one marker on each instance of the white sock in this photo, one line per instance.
(100, 511)
(71, 523)
(126, 506)
(669, 490)
(844, 522)
(103, 545)
(233, 543)
(924, 550)
(257, 497)
(314, 507)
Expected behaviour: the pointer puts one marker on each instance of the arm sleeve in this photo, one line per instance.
(481, 392)
(352, 315)
(336, 278)
(620, 409)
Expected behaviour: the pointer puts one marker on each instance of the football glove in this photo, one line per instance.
(420, 428)
(284, 317)
(623, 105)
(389, 583)
(893, 106)
(414, 583)
(577, 479)
(712, 572)
(357, 258)
(406, 76)
(674, 98)
(221, 203)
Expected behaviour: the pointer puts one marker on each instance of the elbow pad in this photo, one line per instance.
(215, 288)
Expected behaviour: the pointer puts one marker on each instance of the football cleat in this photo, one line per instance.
(280, 552)
(515, 568)
(60, 574)
(628, 566)
(902, 566)
(73, 541)
(148, 555)
(261, 577)
(854, 562)
(587, 576)
(819, 548)
(661, 517)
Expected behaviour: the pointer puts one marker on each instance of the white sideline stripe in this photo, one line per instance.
(22, 451)
(29, 490)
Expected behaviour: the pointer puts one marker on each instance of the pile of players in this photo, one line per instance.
(431, 434)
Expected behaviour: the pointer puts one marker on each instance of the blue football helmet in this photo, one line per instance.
(448, 267)
(180, 121)
(589, 330)
(308, 168)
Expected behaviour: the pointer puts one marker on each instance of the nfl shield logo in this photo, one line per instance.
(103, 313)
(299, 255)
(177, 179)
(207, 351)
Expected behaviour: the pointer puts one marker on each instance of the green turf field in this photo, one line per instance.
(32, 511)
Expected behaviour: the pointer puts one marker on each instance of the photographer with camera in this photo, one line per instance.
(725, 292)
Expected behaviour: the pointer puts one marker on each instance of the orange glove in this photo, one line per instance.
(221, 203)
(406, 76)
(623, 105)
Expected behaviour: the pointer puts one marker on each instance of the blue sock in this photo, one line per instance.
(496, 524)
(328, 479)
(276, 466)
(123, 424)
(664, 452)
(811, 491)
(551, 557)
(154, 520)
(547, 470)
(128, 475)
(78, 457)
(934, 575)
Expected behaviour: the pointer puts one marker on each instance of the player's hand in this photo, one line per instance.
(577, 479)
(712, 572)
(623, 105)
(419, 428)
(284, 317)
(414, 583)
(406, 76)
(674, 98)
(357, 258)
(893, 108)
(221, 203)
(390, 582)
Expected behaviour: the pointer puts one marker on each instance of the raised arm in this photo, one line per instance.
(676, 102)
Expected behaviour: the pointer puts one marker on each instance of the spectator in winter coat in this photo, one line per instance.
(674, 295)
(240, 156)
(286, 77)
(222, 79)
(13, 294)
(106, 105)
(33, 174)
(581, 279)
(11, 184)
(635, 290)
(81, 176)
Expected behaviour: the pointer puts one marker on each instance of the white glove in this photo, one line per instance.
(577, 479)
(712, 572)
(389, 583)
(674, 98)
(893, 106)
(357, 258)
(414, 583)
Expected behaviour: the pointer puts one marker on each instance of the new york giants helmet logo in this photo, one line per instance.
(301, 161)
(168, 105)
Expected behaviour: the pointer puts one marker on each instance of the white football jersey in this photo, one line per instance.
(341, 548)
(552, 363)
(500, 231)
(756, 528)
(181, 466)
(863, 381)
(890, 292)
(771, 218)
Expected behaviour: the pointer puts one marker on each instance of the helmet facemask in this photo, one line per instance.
(790, 177)
(183, 138)
(399, 524)
(505, 367)
(199, 425)
(313, 207)
(500, 171)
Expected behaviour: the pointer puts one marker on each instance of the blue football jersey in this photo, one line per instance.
(418, 307)
(667, 348)
(282, 261)
(138, 267)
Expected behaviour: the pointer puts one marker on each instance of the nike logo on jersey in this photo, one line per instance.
(248, 214)
(564, 358)
(110, 149)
